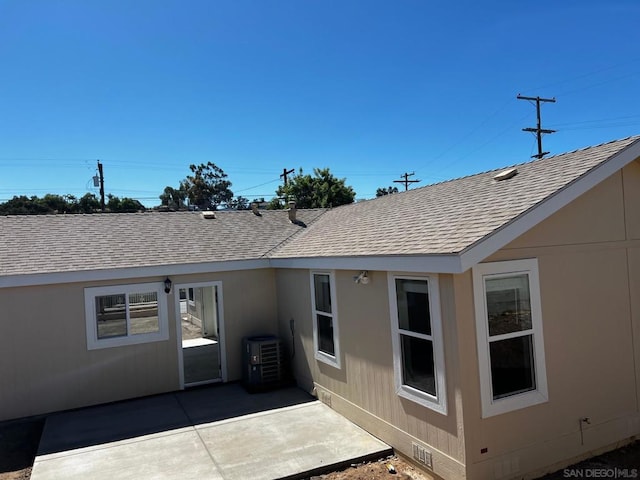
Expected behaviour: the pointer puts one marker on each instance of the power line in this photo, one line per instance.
(100, 172)
(538, 129)
(597, 120)
(285, 173)
(480, 147)
(406, 180)
(462, 139)
(574, 78)
(260, 185)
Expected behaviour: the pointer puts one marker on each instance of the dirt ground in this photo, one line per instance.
(621, 463)
(19, 443)
(391, 468)
(18, 446)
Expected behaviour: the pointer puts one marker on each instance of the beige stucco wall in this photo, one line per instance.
(45, 365)
(589, 263)
(363, 389)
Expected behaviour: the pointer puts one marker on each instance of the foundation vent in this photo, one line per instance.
(506, 468)
(422, 455)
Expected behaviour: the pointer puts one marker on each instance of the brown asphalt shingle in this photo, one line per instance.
(65, 243)
(446, 217)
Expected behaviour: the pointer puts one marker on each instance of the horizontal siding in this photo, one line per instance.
(366, 378)
(589, 269)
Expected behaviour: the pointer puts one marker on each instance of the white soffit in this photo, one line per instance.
(400, 263)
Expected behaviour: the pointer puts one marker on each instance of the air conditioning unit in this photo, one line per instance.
(263, 363)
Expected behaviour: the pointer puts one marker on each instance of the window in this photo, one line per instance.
(325, 319)
(509, 334)
(125, 315)
(417, 340)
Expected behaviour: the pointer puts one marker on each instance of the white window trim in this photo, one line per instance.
(439, 402)
(333, 360)
(491, 407)
(94, 343)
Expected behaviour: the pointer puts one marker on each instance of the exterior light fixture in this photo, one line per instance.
(167, 285)
(363, 278)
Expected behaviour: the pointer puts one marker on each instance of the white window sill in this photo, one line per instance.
(328, 359)
(422, 398)
(93, 344)
(514, 402)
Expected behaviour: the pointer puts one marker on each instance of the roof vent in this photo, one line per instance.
(292, 212)
(208, 214)
(254, 209)
(506, 174)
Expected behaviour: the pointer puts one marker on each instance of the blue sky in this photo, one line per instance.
(371, 89)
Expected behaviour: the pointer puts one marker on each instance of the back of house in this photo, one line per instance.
(482, 326)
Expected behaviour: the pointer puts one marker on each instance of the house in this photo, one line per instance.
(487, 326)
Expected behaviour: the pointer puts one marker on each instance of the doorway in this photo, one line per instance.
(200, 336)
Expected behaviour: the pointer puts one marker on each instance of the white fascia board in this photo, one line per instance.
(129, 273)
(501, 237)
(397, 263)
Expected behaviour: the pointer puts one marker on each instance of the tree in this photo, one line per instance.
(239, 203)
(72, 203)
(386, 191)
(88, 203)
(208, 187)
(275, 204)
(124, 205)
(55, 203)
(52, 203)
(321, 190)
(22, 205)
(173, 198)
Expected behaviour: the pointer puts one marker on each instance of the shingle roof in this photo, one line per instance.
(444, 219)
(447, 217)
(66, 243)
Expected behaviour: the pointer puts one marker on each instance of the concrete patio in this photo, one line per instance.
(218, 432)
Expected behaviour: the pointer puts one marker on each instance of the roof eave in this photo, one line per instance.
(98, 275)
(440, 263)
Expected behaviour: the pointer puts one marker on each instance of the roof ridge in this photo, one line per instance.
(484, 172)
(618, 140)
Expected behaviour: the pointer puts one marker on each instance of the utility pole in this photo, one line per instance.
(538, 130)
(101, 186)
(286, 172)
(406, 180)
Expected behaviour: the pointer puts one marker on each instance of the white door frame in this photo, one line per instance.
(221, 337)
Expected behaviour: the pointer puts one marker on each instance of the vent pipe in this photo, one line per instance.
(254, 208)
(292, 211)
